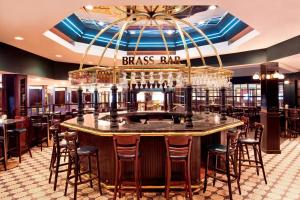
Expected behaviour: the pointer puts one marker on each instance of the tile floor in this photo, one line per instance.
(30, 180)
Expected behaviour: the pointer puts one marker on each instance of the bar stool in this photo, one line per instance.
(56, 118)
(40, 126)
(59, 147)
(75, 155)
(2, 148)
(292, 127)
(179, 151)
(126, 149)
(16, 133)
(228, 154)
(244, 134)
(255, 143)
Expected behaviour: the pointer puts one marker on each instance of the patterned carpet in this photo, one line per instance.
(30, 180)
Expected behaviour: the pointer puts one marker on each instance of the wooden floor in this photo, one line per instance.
(30, 180)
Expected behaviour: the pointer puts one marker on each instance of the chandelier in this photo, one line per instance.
(156, 75)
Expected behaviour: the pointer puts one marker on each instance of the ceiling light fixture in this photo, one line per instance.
(100, 23)
(256, 76)
(281, 76)
(19, 38)
(37, 79)
(170, 32)
(212, 7)
(276, 74)
(201, 22)
(58, 55)
(132, 32)
(286, 82)
(89, 7)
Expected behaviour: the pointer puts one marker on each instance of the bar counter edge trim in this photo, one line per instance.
(162, 133)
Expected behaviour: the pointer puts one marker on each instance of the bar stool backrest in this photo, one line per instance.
(293, 113)
(259, 129)
(178, 146)
(232, 141)
(246, 121)
(126, 146)
(293, 123)
(55, 132)
(24, 123)
(71, 139)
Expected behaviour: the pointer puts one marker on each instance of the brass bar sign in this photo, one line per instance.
(149, 60)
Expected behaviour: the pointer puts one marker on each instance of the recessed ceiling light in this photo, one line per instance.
(58, 55)
(37, 79)
(132, 32)
(169, 32)
(212, 7)
(89, 7)
(19, 38)
(201, 22)
(100, 23)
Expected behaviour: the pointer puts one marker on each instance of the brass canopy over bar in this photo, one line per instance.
(151, 15)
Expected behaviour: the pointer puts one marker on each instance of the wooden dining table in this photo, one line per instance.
(4, 124)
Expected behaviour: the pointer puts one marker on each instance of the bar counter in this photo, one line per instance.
(204, 124)
(207, 130)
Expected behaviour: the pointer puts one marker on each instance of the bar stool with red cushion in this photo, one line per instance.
(16, 134)
(179, 151)
(227, 153)
(126, 149)
(76, 154)
(255, 143)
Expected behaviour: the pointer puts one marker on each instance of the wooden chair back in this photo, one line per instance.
(178, 146)
(126, 146)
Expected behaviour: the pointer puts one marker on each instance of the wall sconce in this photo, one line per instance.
(286, 82)
(275, 75)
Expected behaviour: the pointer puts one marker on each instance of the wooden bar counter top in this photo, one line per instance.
(151, 126)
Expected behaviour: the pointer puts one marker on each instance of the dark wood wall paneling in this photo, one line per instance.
(35, 97)
(14, 94)
(60, 97)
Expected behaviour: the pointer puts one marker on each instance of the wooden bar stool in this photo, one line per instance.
(59, 148)
(244, 134)
(75, 155)
(292, 126)
(227, 154)
(2, 151)
(39, 126)
(255, 143)
(127, 150)
(17, 133)
(179, 151)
